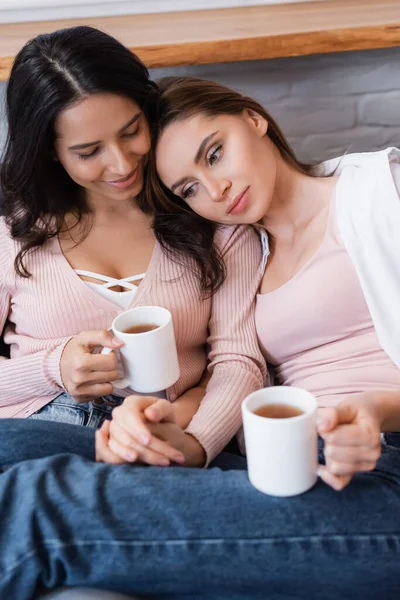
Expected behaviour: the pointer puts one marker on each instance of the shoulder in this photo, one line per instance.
(371, 161)
(243, 237)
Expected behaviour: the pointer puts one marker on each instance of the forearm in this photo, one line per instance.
(187, 405)
(219, 416)
(30, 376)
(388, 406)
(195, 455)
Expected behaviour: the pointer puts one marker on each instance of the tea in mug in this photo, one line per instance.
(278, 411)
(142, 328)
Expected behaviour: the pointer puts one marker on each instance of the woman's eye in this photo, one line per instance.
(188, 192)
(131, 133)
(215, 155)
(86, 156)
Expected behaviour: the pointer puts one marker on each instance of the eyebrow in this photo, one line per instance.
(197, 158)
(88, 144)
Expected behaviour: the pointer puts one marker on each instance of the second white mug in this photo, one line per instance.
(149, 358)
(282, 453)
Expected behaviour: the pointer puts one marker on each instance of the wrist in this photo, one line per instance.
(195, 455)
(387, 405)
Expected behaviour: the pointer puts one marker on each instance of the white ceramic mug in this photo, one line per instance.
(149, 359)
(282, 453)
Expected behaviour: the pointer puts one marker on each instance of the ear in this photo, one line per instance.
(256, 121)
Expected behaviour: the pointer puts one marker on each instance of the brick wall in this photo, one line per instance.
(325, 104)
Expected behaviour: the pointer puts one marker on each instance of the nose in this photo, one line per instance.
(218, 189)
(120, 162)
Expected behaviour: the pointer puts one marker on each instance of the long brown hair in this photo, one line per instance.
(51, 73)
(177, 227)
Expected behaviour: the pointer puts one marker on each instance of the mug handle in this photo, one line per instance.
(119, 384)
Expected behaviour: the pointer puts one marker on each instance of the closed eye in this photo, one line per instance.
(131, 134)
(87, 156)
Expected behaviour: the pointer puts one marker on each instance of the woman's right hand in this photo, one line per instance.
(85, 375)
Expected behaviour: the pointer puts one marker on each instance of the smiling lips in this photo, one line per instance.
(125, 181)
(239, 203)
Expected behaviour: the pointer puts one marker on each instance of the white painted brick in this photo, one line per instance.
(259, 79)
(318, 147)
(302, 116)
(347, 73)
(325, 104)
(380, 109)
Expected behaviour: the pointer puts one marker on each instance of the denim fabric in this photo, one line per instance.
(85, 594)
(193, 534)
(24, 439)
(64, 409)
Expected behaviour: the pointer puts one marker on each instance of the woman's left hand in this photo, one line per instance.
(351, 432)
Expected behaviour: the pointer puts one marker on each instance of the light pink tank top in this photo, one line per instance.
(316, 329)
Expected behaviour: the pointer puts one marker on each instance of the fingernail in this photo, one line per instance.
(163, 462)
(145, 438)
(131, 456)
(323, 423)
(179, 458)
(116, 342)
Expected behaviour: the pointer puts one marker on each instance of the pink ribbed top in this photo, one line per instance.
(45, 310)
(317, 330)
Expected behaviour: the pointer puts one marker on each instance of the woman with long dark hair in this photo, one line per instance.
(74, 244)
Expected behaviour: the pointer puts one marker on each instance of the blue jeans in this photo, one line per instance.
(187, 534)
(64, 409)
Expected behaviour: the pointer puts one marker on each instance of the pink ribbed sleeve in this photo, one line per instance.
(237, 365)
(27, 377)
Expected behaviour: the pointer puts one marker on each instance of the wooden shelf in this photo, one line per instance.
(234, 34)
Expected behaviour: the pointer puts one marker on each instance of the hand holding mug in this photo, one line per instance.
(85, 375)
(351, 432)
(148, 354)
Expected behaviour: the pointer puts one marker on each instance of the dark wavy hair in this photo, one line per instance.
(51, 73)
(178, 228)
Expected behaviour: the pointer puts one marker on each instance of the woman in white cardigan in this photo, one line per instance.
(327, 313)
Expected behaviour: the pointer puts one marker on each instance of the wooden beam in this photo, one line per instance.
(233, 34)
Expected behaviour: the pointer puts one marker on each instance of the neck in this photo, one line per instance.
(297, 200)
(103, 207)
(106, 214)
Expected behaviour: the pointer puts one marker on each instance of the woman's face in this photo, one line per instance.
(224, 167)
(103, 142)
